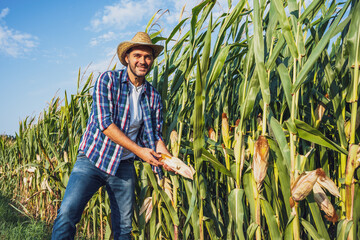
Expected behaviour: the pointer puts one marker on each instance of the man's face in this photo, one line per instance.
(140, 60)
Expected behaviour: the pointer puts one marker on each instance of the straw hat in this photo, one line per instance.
(140, 39)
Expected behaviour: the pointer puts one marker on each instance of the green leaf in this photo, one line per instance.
(281, 140)
(169, 207)
(286, 28)
(311, 230)
(234, 15)
(151, 176)
(259, 55)
(170, 226)
(286, 83)
(284, 176)
(316, 214)
(150, 21)
(343, 229)
(270, 219)
(276, 52)
(215, 163)
(175, 30)
(316, 52)
(353, 48)
(249, 185)
(216, 67)
(312, 9)
(311, 134)
(236, 207)
(253, 90)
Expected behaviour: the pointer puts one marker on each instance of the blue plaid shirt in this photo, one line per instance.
(111, 105)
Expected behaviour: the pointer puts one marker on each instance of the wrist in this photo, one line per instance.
(138, 150)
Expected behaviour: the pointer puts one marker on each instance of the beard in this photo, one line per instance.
(138, 73)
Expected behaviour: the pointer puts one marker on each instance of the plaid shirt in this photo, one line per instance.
(111, 105)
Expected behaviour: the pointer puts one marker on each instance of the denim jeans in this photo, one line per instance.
(84, 181)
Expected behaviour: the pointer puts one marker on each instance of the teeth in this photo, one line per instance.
(177, 165)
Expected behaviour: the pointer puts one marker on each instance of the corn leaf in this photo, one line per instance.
(315, 54)
(311, 134)
(236, 207)
(311, 230)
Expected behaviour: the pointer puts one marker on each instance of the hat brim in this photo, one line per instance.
(125, 46)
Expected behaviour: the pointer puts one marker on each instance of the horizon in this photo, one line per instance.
(44, 44)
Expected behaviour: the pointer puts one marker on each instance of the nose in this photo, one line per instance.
(142, 60)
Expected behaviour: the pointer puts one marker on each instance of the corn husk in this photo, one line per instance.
(237, 145)
(303, 185)
(324, 203)
(259, 122)
(45, 186)
(165, 183)
(260, 160)
(224, 150)
(66, 157)
(306, 182)
(319, 112)
(174, 143)
(225, 130)
(148, 207)
(31, 169)
(325, 182)
(212, 136)
(178, 166)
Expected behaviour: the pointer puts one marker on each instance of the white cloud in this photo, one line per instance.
(123, 14)
(109, 36)
(175, 12)
(4, 12)
(12, 42)
(125, 17)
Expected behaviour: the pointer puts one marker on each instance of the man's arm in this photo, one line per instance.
(146, 154)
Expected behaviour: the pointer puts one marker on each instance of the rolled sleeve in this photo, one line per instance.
(102, 101)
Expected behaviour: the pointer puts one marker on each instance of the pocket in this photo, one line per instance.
(81, 156)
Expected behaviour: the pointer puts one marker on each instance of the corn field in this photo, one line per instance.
(262, 101)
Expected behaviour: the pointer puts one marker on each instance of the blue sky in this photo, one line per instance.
(44, 43)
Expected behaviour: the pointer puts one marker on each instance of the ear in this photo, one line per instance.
(126, 59)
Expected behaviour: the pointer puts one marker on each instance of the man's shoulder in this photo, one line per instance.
(113, 73)
(152, 89)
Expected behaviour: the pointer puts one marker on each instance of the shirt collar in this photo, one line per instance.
(125, 79)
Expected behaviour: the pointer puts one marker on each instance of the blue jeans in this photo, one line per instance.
(84, 181)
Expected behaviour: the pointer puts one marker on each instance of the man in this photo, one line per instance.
(125, 123)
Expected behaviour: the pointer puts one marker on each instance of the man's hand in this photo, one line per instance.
(161, 148)
(147, 154)
(167, 168)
